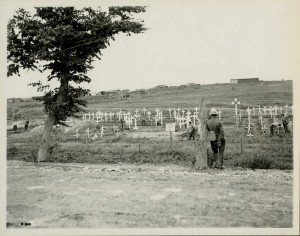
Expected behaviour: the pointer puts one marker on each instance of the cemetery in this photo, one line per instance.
(146, 150)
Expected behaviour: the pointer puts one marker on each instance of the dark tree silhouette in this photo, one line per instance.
(65, 41)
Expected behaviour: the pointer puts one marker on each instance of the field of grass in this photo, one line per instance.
(258, 152)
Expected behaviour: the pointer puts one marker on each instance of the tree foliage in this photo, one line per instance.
(65, 41)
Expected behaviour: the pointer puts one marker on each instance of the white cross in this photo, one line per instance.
(271, 111)
(136, 111)
(196, 110)
(174, 112)
(275, 110)
(149, 113)
(265, 110)
(101, 131)
(235, 102)
(259, 110)
(135, 126)
(280, 110)
(89, 116)
(155, 118)
(188, 113)
(170, 111)
(250, 135)
(253, 109)
(178, 110)
(248, 111)
(144, 110)
(156, 110)
(183, 111)
(220, 114)
(194, 118)
(110, 115)
(286, 109)
(84, 117)
(105, 116)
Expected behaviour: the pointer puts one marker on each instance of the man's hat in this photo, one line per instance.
(213, 111)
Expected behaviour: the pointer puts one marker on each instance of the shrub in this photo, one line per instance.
(258, 160)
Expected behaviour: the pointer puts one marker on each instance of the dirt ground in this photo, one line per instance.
(52, 195)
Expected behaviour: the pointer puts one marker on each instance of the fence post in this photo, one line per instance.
(171, 142)
(139, 144)
(201, 139)
(86, 142)
(241, 144)
(284, 145)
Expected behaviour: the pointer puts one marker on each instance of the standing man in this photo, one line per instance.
(122, 124)
(285, 122)
(192, 131)
(216, 137)
(26, 124)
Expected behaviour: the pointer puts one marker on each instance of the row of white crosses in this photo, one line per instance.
(179, 114)
(98, 116)
(88, 134)
(273, 111)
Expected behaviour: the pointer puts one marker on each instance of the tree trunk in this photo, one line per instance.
(201, 139)
(43, 151)
(46, 135)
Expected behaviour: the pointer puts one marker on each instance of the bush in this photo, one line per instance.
(259, 160)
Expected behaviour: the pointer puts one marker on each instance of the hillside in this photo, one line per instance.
(267, 93)
(219, 95)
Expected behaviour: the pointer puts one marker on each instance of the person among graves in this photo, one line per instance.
(273, 126)
(143, 122)
(217, 139)
(26, 124)
(285, 122)
(185, 124)
(122, 124)
(192, 131)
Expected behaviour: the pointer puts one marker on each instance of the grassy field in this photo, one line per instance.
(267, 152)
(138, 180)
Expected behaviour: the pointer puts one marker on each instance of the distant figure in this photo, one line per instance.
(192, 131)
(185, 124)
(232, 88)
(285, 122)
(143, 122)
(273, 126)
(26, 124)
(122, 124)
(15, 128)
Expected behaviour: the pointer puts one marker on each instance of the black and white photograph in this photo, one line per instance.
(150, 117)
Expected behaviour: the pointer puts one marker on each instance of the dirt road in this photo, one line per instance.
(86, 195)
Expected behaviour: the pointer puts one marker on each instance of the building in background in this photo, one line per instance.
(246, 80)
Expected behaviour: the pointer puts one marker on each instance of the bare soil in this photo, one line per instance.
(52, 195)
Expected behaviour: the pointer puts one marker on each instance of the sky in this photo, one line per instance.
(200, 41)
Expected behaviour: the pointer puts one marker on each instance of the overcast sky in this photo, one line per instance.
(191, 42)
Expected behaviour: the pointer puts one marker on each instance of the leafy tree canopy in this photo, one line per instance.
(65, 41)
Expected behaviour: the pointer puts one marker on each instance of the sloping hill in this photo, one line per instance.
(219, 95)
(269, 93)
